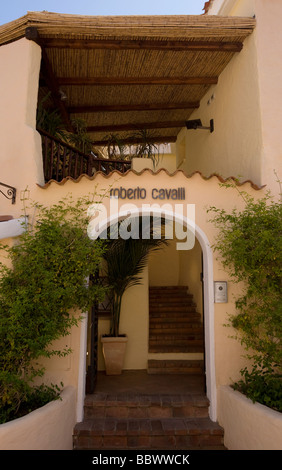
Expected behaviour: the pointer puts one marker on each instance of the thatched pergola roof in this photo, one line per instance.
(125, 73)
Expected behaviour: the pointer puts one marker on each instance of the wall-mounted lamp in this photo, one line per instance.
(197, 124)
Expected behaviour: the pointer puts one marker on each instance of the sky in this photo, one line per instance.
(12, 9)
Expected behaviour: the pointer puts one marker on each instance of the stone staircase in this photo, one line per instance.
(175, 327)
(167, 407)
(151, 422)
(177, 366)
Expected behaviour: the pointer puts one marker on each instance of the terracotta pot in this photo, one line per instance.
(114, 351)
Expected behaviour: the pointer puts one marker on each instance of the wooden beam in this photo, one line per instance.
(136, 127)
(137, 140)
(51, 81)
(113, 81)
(32, 34)
(162, 45)
(132, 107)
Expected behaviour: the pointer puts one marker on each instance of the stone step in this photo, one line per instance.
(185, 334)
(178, 367)
(102, 405)
(175, 341)
(176, 338)
(177, 333)
(174, 323)
(178, 323)
(174, 314)
(169, 292)
(180, 296)
(137, 421)
(163, 318)
(171, 300)
(172, 348)
(148, 434)
(171, 328)
(168, 288)
(167, 308)
(170, 295)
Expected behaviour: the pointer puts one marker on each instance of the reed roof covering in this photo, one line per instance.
(121, 74)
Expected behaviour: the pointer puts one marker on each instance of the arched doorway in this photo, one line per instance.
(207, 279)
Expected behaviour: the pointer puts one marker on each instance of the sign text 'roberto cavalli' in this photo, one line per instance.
(141, 193)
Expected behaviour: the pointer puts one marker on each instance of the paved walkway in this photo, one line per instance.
(139, 381)
(137, 410)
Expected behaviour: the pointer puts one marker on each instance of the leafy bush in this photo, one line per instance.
(262, 384)
(18, 398)
(42, 293)
(250, 246)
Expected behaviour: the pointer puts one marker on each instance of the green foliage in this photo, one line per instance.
(147, 148)
(49, 120)
(43, 291)
(80, 138)
(117, 147)
(18, 398)
(250, 247)
(127, 257)
(262, 384)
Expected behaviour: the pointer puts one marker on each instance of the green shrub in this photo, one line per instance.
(43, 293)
(250, 247)
(262, 384)
(19, 398)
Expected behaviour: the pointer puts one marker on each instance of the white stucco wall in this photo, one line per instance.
(261, 103)
(20, 144)
(235, 146)
(269, 39)
(47, 428)
(248, 425)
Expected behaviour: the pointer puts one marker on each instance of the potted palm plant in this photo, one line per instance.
(126, 260)
(144, 150)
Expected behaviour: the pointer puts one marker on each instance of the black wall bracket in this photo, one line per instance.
(197, 124)
(9, 192)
